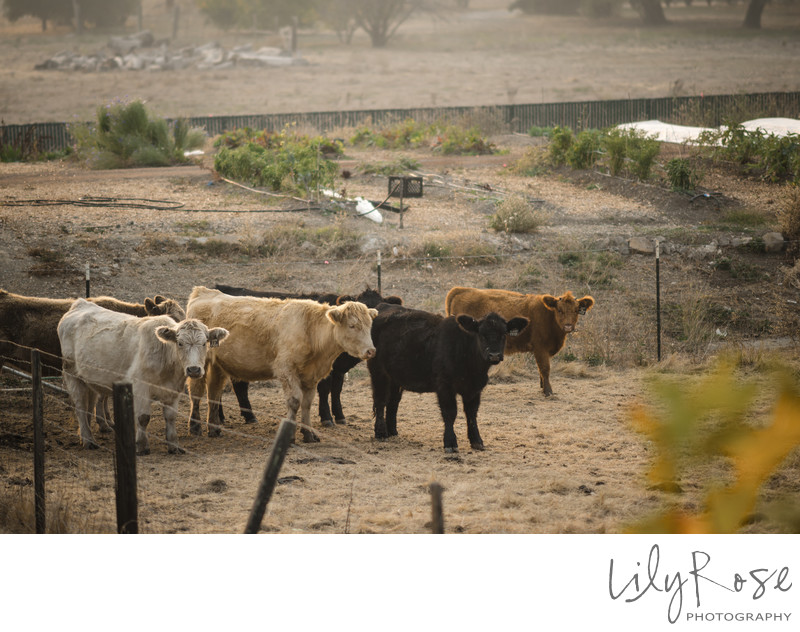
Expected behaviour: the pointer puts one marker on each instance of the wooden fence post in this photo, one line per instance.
(286, 432)
(38, 442)
(437, 513)
(125, 432)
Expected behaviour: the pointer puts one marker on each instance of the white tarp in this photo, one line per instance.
(667, 133)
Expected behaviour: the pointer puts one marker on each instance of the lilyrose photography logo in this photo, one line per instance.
(699, 585)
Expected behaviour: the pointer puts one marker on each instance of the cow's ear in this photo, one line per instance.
(467, 323)
(216, 335)
(167, 334)
(344, 298)
(335, 315)
(549, 301)
(394, 300)
(159, 299)
(585, 304)
(515, 326)
(372, 312)
(149, 306)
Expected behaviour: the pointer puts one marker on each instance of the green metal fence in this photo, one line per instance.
(707, 111)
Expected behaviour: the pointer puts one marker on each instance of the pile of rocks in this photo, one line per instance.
(142, 52)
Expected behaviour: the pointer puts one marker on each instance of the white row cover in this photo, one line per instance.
(667, 133)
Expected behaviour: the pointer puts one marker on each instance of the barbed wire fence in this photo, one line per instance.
(77, 477)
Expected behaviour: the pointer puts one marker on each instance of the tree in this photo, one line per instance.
(265, 14)
(339, 15)
(752, 19)
(651, 10)
(381, 18)
(44, 10)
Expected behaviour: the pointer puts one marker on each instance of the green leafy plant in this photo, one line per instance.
(125, 135)
(560, 142)
(681, 175)
(584, 152)
(283, 162)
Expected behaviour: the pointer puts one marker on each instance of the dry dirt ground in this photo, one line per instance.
(565, 464)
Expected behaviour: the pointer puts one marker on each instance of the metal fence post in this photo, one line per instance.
(38, 442)
(125, 432)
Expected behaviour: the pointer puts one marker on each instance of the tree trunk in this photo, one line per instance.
(76, 10)
(652, 13)
(752, 19)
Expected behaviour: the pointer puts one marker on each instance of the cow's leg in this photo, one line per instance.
(543, 362)
(102, 415)
(142, 409)
(449, 408)
(170, 414)
(215, 380)
(323, 390)
(197, 389)
(82, 398)
(243, 398)
(393, 403)
(309, 436)
(337, 384)
(471, 404)
(380, 390)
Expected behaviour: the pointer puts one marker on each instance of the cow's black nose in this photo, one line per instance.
(194, 371)
(495, 358)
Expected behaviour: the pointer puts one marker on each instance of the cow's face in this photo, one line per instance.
(352, 328)
(567, 309)
(491, 332)
(192, 340)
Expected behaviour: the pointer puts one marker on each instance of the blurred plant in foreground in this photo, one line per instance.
(696, 425)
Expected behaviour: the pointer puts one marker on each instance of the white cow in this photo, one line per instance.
(155, 354)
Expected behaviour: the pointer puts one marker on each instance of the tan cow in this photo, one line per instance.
(551, 319)
(292, 340)
(155, 354)
(30, 322)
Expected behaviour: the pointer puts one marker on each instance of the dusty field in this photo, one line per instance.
(565, 464)
(483, 56)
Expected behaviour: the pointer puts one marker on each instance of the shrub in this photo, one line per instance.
(283, 161)
(643, 154)
(682, 176)
(584, 152)
(126, 136)
(560, 142)
(789, 219)
(515, 215)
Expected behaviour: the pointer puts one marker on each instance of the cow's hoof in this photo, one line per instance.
(195, 429)
(214, 431)
(90, 445)
(450, 450)
(477, 446)
(176, 449)
(143, 452)
(310, 437)
(250, 419)
(341, 421)
(327, 423)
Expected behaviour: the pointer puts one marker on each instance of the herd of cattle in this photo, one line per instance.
(307, 342)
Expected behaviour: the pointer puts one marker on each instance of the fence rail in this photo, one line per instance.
(708, 110)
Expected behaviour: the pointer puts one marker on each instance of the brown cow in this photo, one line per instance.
(551, 319)
(31, 322)
(292, 340)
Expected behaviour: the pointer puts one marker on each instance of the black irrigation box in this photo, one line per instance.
(405, 186)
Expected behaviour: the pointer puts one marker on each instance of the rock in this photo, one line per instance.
(773, 242)
(641, 246)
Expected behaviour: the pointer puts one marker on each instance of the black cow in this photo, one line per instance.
(425, 353)
(331, 385)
